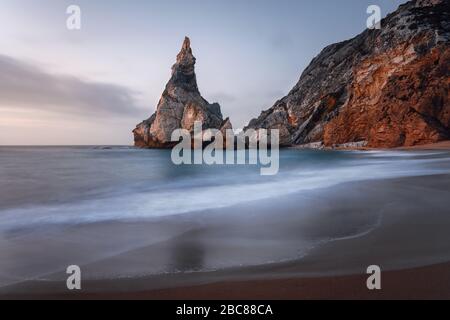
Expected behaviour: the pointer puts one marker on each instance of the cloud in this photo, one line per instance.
(26, 86)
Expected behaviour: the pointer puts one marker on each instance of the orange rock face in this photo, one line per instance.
(383, 88)
(396, 100)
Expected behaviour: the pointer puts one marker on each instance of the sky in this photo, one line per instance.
(92, 86)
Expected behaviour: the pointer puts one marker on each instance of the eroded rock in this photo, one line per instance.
(387, 87)
(179, 107)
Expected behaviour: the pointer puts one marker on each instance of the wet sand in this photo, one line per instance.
(425, 283)
(399, 224)
(444, 145)
(420, 283)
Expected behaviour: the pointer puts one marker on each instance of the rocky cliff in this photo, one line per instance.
(384, 88)
(179, 107)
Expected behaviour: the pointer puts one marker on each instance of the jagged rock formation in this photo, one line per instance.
(384, 88)
(179, 107)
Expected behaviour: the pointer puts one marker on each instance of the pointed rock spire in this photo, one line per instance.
(180, 106)
(183, 71)
(186, 48)
(185, 57)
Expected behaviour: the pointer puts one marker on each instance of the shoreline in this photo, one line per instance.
(442, 145)
(429, 282)
(422, 283)
(414, 260)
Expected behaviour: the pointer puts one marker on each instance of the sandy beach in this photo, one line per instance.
(419, 283)
(443, 145)
(407, 238)
(425, 283)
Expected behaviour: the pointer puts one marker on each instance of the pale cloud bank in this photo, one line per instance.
(26, 86)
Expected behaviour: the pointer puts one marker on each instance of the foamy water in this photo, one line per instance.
(88, 205)
(81, 185)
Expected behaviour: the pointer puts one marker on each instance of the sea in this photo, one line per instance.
(66, 204)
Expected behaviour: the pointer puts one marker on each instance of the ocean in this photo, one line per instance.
(85, 205)
(64, 185)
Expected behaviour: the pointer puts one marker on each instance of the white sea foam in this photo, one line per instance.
(74, 186)
(191, 195)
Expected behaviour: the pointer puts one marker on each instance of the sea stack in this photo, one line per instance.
(179, 107)
(384, 88)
